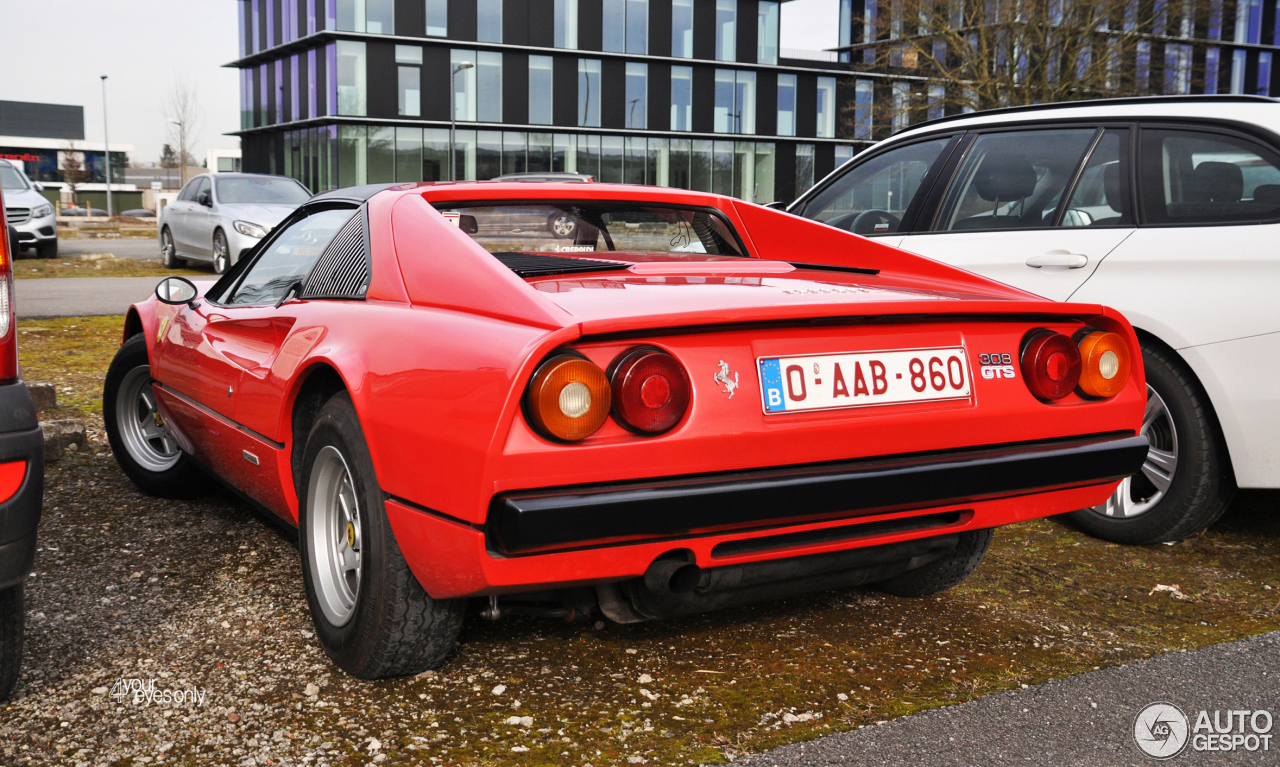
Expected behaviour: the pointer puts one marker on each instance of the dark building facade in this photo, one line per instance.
(686, 93)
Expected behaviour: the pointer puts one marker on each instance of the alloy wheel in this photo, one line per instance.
(142, 427)
(1140, 493)
(167, 251)
(334, 536)
(221, 254)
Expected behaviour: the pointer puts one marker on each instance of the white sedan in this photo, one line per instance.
(1164, 208)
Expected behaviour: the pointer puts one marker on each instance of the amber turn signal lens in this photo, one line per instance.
(1106, 360)
(1050, 365)
(569, 398)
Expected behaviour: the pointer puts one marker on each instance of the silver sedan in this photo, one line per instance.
(219, 216)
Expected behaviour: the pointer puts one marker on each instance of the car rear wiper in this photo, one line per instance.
(834, 267)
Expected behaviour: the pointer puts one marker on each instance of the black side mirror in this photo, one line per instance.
(468, 224)
(176, 291)
(204, 199)
(15, 247)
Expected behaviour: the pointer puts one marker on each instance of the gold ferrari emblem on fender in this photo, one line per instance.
(730, 384)
(164, 325)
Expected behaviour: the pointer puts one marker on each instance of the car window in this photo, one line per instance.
(202, 185)
(583, 226)
(1190, 177)
(10, 178)
(871, 198)
(188, 192)
(1101, 196)
(1012, 180)
(261, 189)
(288, 258)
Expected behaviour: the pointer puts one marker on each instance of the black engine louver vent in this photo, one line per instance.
(343, 269)
(538, 265)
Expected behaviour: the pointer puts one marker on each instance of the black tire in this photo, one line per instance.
(11, 631)
(221, 252)
(945, 573)
(47, 249)
(184, 478)
(1202, 485)
(169, 250)
(394, 628)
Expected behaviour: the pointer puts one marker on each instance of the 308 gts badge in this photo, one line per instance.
(997, 366)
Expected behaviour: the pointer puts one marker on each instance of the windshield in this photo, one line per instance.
(261, 190)
(11, 179)
(588, 226)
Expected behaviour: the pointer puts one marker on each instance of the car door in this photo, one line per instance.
(200, 220)
(235, 333)
(1201, 275)
(175, 216)
(1036, 208)
(879, 196)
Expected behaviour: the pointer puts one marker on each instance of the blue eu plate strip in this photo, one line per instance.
(771, 385)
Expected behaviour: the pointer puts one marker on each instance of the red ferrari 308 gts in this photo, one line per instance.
(641, 402)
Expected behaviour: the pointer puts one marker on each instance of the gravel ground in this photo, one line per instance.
(204, 599)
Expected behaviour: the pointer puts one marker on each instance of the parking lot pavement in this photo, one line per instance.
(138, 249)
(1082, 720)
(79, 296)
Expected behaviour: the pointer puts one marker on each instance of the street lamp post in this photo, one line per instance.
(182, 151)
(453, 115)
(106, 145)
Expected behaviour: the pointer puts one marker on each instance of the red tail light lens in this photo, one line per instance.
(650, 390)
(1051, 365)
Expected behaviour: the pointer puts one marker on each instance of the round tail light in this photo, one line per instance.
(1050, 365)
(650, 390)
(568, 398)
(1105, 361)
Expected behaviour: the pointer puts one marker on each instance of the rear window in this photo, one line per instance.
(592, 227)
(1190, 177)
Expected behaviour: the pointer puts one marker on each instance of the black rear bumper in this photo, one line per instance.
(556, 517)
(20, 440)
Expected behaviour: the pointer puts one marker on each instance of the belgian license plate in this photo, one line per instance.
(859, 379)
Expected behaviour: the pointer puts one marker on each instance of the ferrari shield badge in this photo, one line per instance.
(722, 377)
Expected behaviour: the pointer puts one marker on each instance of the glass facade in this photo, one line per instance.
(437, 18)
(767, 16)
(489, 87)
(464, 85)
(735, 106)
(863, 95)
(377, 17)
(827, 107)
(565, 21)
(589, 93)
(409, 91)
(637, 95)
(786, 105)
(540, 90)
(489, 21)
(350, 78)
(682, 98)
(682, 29)
(726, 30)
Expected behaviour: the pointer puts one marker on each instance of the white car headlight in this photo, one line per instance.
(41, 211)
(250, 230)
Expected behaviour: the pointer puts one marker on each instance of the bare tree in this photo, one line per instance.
(182, 116)
(72, 169)
(983, 54)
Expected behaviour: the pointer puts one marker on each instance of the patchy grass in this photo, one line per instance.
(98, 266)
(73, 354)
(1048, 602)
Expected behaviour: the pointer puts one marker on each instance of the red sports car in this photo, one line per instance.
(674, 402)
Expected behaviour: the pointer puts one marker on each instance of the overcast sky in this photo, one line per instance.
(55, 50)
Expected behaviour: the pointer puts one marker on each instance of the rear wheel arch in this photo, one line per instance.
(1149, 340)
(319, 384)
